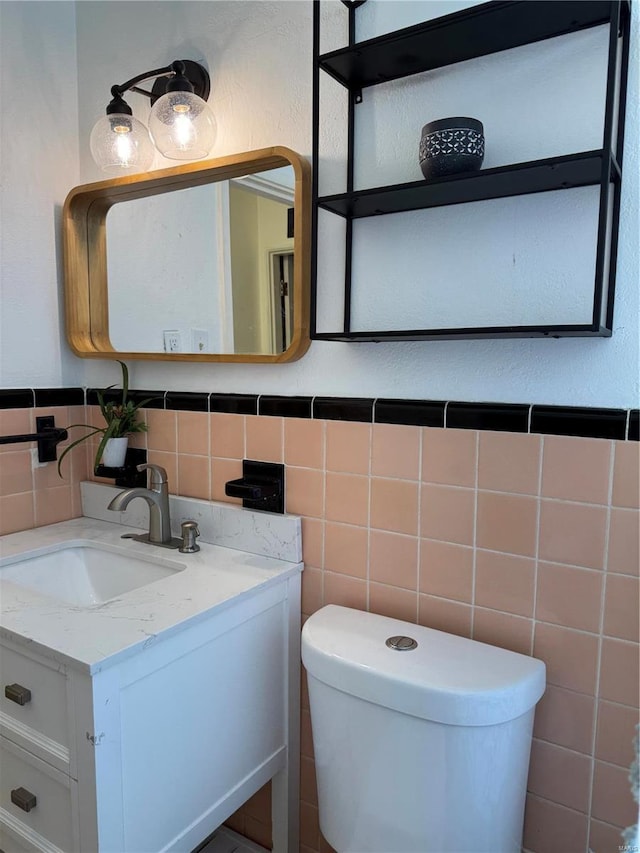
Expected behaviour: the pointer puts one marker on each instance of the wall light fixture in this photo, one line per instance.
(181, 124)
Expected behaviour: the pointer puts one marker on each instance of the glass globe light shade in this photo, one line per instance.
(182, 126)
(121, 145)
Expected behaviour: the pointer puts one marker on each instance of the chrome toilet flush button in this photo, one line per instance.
(401, 644)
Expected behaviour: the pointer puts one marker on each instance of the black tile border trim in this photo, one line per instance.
(285, 407)
(234, 404)
(343, 409)
(58, 397)
(187, 401)
(499, 417)
(410, 412)
(17, 398)
(582, 421)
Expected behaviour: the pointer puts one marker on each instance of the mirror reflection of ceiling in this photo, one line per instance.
(206, 269)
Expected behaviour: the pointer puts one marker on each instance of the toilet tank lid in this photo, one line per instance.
(446, 678)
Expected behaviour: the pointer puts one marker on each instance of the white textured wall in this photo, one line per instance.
(38, 166)
(259, 54)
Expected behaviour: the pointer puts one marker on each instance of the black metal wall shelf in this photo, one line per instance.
(536, 176)
(478, 31)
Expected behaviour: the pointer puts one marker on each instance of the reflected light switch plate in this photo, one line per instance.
(199, 340)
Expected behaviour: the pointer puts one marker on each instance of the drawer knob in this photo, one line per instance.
(17, 693)
(24, 799)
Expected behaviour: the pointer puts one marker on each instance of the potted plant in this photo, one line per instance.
(121, 418)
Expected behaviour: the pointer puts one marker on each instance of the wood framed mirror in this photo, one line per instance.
(206, 261)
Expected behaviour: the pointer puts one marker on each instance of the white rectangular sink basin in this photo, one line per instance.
(85, 573)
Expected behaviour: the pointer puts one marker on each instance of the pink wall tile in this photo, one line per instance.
(505, 582)
(346, 591)
(570, 597)
(615, 733)
(15, 472)
(193, 433)
(395, 451)
(449, 456)
(550, 828)
(304, 442)
(509, 462)
(313, 542)
(17, 422)
(576, 469)
(560, 775)
(619, 672)
(264, 439)
(393, 559)
(572, 533)
(309, 825)
(348, 447)
(305, 492)
(444, 615)
(394, 602)
(194, 476)
(447, 514)
(507, 523)
(502, 629)
(308, 785)
(227, 435)
(346, 549)
(17, 512)
(446, 570)
(604, 838)
(622, 601)
(163, 430)
(626, 474)
(612, 800)
(624, 542)
(347, 498)
(566, 719)
(53, 505)
(570, 657)
(312, 581)
(394, 505)
(306, 736)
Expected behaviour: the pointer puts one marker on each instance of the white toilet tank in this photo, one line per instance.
(422, 749)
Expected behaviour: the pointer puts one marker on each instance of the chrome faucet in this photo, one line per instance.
(157, 496)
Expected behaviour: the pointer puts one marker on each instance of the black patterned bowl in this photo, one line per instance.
(451, 145)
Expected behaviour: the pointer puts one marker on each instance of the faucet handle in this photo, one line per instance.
(157, 475)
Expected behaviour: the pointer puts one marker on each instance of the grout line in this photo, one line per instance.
(627, 425)
(474, 555)
(529, 419)
(423, 438)
(444, 415)
(603, 591)
(536, 556)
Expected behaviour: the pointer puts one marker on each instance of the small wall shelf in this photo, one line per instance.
(467, 34)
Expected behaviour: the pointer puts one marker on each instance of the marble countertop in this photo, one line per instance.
(94, 637)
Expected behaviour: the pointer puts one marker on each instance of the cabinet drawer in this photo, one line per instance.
(51, 816)
(41, 724)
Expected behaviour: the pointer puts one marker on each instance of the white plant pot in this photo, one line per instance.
(114, 452)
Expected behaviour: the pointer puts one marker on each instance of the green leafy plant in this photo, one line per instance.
(121, 418)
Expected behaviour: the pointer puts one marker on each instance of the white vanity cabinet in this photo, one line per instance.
(154, 747)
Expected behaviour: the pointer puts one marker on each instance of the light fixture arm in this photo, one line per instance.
(139, 78)
(182, 75)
